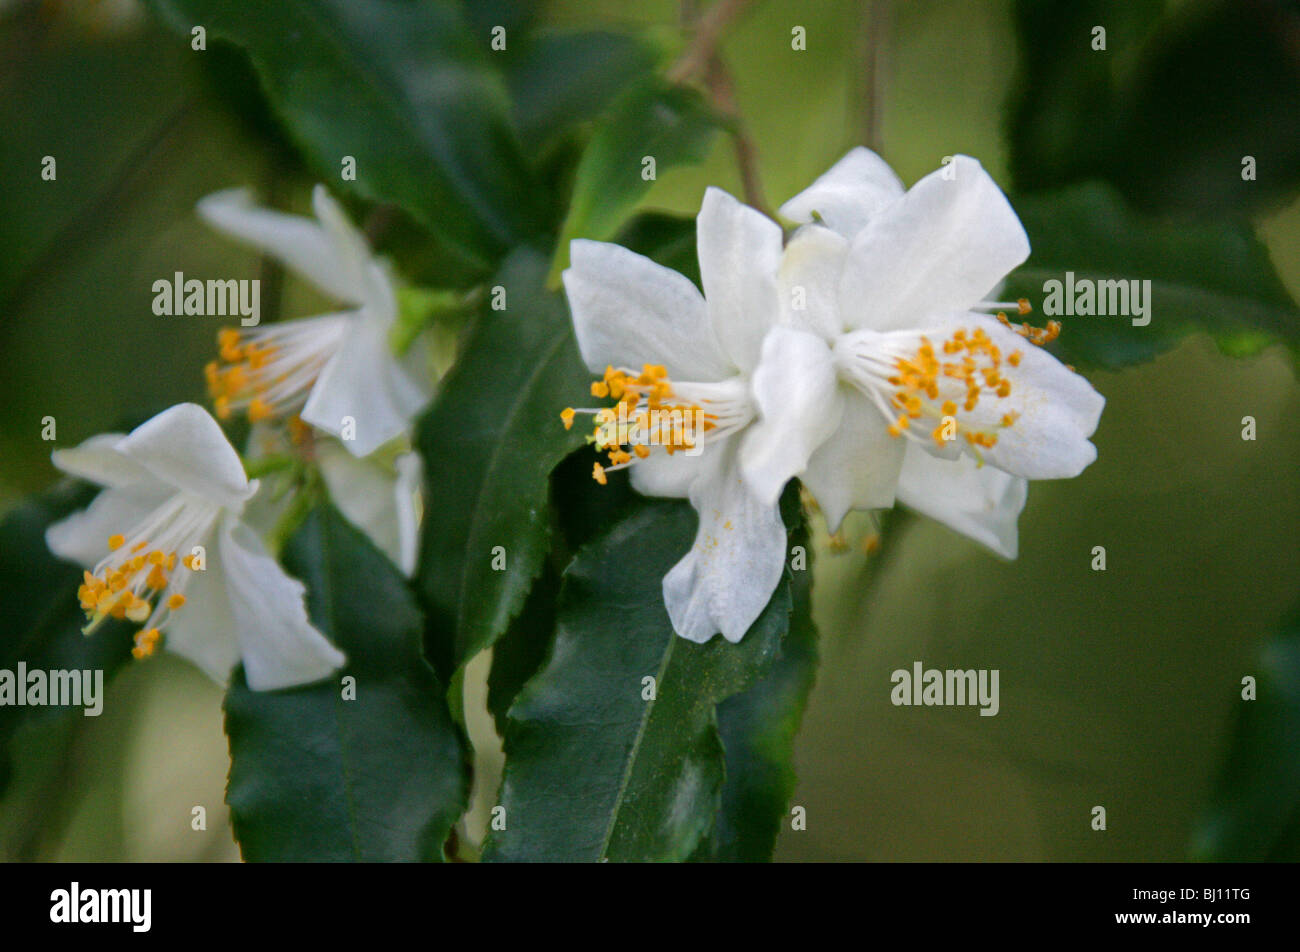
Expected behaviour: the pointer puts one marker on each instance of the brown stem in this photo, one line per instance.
(709, 30)
(876, 16)
(723, 94)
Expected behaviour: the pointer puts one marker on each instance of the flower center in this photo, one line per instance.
(268, 371)
(130, 582)
(942, 386)
(651, 411)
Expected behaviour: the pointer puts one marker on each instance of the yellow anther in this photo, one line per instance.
(116, 541)
(258, 410)
(1023, 305)
(599, 389)
(566, 415)
(156, 557)
(176, 601)
(598, 473)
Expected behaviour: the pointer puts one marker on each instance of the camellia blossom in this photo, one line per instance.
(329, 369)
(164, 546)
(888, 378)
(669, 355)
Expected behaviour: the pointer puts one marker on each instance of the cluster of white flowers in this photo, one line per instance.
(174, 542)
(860, 356)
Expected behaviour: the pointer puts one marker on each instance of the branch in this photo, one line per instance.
(709, 30)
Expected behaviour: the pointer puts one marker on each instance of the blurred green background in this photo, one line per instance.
(1118, 688)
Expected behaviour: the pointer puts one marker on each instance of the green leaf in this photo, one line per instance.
(667, 239)
(521, 651)
(489, 443)
(560, 78)
(758, 728)
(1061, 114)
(1213, 278)
(1168, 110)
(593, 770)
(404, 87)
(316, 777)
(1218, 81)
(671, 124)
(1254, 814)
(42, 615)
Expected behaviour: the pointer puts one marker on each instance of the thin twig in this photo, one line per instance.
(876, 16)
(723, 95)
(709, 30)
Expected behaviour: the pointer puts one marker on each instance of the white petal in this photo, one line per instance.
(660, 474)
(279, 646)
(185, 447)
(349, 249)
(83, 536)
(981, 502)
(368, 494)
(849, 194)
(740, 254)
(810, 278)
(410, 480)
(858, 467)
(366, 383)
(1058, 410)
(799, 407)
(324, 256)
(629, 311)
(939, 249)
(98, 460)
(726, 580)
(204, 631)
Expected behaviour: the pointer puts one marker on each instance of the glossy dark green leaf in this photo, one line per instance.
(1213, 278)
(670, 124)
(403, 86)
(522, 650)
(1168, 110)
(667, 239)
(1062, 113)
(758, 728)
(317, 777)
(489, 443)
(560, 78)
(1220, 81)
(1255, 811)
(42, 618)
(596, 768)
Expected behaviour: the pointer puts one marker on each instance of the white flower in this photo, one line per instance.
(328, 368)
(885, 379)
(661, 346)
(165, 547)
(380, 497)
(380, 494)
